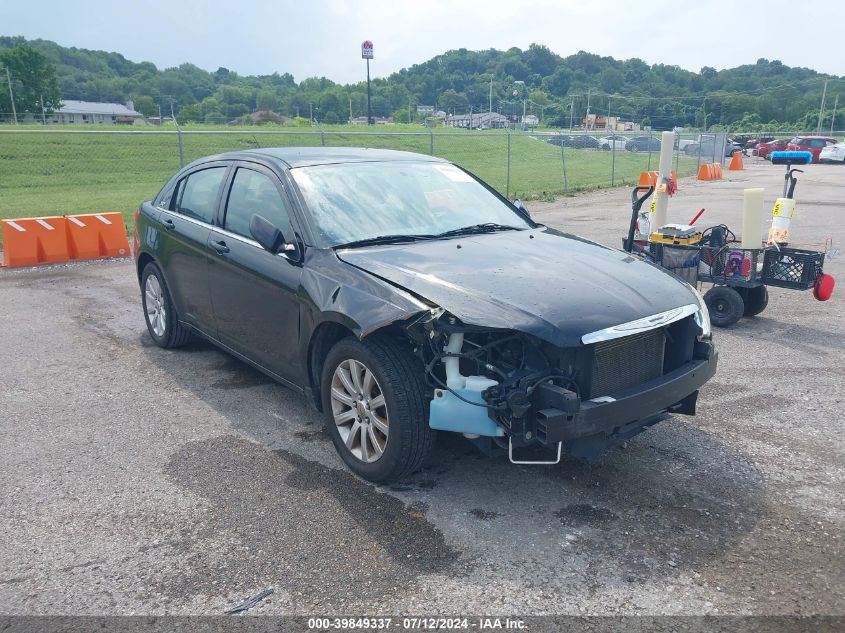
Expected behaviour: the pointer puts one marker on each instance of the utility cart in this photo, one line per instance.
(739, 276)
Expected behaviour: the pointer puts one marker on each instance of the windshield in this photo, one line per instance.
(351, 202)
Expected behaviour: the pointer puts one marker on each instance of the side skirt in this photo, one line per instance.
(241, 357)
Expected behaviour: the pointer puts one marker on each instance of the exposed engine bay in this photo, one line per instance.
(505, 389)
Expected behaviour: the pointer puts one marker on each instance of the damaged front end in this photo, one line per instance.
(511, 391)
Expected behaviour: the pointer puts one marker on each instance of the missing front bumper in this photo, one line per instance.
(632, 410)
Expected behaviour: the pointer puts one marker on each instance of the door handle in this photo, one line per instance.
(168, 224)
(220, 246)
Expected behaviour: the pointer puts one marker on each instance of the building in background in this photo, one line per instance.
(481, 121)
(613, 123)
(87, 112)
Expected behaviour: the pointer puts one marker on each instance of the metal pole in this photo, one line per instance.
(44, 113)
(11, 96)
(369, 106)
(350, 111)
(409, 110)
(677, 154)
(179, 136)
(490, 104)
(700, 139)
(508, 176)
(833, 116)
(821, 108)
(431, 141)
(563, 163)
(612, 158)
(649, 151)
(571, 112)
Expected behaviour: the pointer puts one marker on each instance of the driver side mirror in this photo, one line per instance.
(270, 237)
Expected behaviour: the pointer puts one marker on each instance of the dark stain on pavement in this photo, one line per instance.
(484, 515)
(581, 514)
(238, 375)
(319, 535)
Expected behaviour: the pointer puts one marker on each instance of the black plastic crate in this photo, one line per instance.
(792, 268)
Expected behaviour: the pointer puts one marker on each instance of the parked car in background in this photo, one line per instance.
(403, 296)
(812, 144)
(833, 153)
(643, 144)
(751, 143)
(582, 141)
(681, 143)
(764, 150)
(559, 139)
(706, 148)
(613, 142)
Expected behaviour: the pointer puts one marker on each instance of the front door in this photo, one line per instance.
(254, 292)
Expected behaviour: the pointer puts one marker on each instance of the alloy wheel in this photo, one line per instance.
(156, 313)
(359, 410)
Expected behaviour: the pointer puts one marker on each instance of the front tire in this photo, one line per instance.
(159, 312)
(375, 408)
(725, 305)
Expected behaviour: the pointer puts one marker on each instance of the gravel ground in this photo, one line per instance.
(135, 480)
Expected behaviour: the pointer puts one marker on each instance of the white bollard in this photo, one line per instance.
(661, 197)
(752, 218)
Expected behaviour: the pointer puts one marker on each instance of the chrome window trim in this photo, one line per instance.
(187, 218)
(640, 325)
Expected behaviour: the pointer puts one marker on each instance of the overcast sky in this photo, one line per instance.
(323, 37)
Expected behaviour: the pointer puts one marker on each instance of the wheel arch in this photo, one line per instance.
(143, 259)
(325, 336)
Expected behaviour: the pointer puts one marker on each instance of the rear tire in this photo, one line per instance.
(159, 312)
(725, 306)
(402, 410)
(756, 299)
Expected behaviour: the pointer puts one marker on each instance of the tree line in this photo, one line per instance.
(558, 90)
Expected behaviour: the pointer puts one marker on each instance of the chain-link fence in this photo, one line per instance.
(58, 171)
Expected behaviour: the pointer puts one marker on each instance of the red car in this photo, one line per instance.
(764, 150)
(812, 144)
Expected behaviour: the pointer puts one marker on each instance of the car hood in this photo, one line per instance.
(555, 286)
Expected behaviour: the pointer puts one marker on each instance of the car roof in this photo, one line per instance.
(813, 136)
(309, 156)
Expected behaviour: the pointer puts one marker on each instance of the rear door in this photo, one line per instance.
(253, 292)
(183, 252)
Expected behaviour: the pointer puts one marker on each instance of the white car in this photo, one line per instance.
(833, 154)
(613, 142)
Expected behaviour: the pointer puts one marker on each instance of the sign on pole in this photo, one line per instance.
(367, 50)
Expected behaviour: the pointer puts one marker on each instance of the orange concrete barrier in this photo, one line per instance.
(96, 235)
(736, 162)
(650, 178)
(710, 171)
(33, 241)
(54, 239)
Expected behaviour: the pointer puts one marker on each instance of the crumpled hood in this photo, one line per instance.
(552, 285)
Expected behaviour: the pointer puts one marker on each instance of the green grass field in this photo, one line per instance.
(62, 172)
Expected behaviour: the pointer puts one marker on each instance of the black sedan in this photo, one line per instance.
(643, 144)
(403, 296)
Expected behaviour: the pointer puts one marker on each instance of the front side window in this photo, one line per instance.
(357, 201)
(254, 193)
(197, 197)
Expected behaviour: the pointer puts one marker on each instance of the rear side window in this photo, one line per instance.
(197, 194)
(254, 193)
